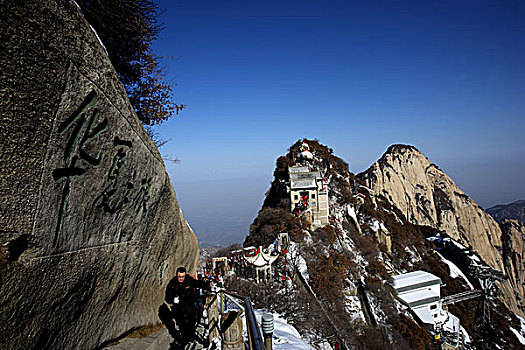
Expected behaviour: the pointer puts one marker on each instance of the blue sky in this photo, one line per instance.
(445, 76)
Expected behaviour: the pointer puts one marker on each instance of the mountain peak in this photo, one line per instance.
(400, 151)
(401, 148)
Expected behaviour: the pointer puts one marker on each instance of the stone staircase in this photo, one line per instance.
(162, 340)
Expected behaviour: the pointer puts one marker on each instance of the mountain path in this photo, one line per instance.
(162, 340)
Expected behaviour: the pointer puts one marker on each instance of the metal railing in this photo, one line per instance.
(256, 341)
(227, 327)
(452, 299)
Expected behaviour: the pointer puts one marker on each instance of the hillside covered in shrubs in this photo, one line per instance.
(340, 290)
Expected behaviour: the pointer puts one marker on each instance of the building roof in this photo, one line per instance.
(299, 184)
(298, 169)
(418, 298)
(309, 175)
(414, 280)
(261, 259)
(301, 177)
(306, 175)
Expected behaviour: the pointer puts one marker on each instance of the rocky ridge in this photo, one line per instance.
(427, 196)
(343, 271)
(512, 211)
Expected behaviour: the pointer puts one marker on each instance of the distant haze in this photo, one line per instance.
(221, 211)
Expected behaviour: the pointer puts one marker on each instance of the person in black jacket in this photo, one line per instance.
(181, 295)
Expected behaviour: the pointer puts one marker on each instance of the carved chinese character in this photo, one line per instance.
(107, 199)
(142, 196)
(86, 131)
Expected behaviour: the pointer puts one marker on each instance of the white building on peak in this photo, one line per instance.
(308, 194)
(305, 151)
(421, 292)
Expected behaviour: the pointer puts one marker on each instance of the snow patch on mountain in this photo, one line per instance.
(455, 272)
(299, 261)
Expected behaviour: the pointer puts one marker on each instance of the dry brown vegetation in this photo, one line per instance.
(128, 30)
(416, 336)
(325, 235)
(327, 275)
(269, 223)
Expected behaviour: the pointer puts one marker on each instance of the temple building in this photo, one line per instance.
(308, 195)
(261, 262)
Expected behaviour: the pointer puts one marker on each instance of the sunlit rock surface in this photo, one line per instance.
(427, 196)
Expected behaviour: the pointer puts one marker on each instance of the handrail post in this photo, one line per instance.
(221, 310)
(267, 328)
(212, 310)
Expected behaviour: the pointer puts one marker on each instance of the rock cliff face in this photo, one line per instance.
(90, 228)
(514, 260)
(427, 196)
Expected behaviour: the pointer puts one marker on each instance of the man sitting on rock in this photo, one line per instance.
(181, 296)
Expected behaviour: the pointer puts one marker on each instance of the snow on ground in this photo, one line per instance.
(375, 309)
(307, 154)
(285, 336)
(466, 336)
(361, 262)
(351, 212)
(414, 255)
(475, 258)
(520, 335)
(324, 346)
(298, 260)
(455, 271)
(308, 237)
(375, 225)
(353, 307)
(457, 244)
(390, 268)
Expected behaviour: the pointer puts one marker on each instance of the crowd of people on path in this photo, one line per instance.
(302, 205)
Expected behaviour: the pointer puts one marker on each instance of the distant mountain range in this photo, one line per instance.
(514, 211)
